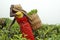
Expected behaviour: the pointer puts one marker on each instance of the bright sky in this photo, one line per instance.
(48, 10)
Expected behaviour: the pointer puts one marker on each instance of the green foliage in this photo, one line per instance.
(46, 32)
(32, 12)
(13, 34)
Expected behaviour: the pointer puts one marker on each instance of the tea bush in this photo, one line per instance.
(46, 32)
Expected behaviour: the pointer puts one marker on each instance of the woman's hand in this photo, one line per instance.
(12, 12)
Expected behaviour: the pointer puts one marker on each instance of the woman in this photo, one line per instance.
(22, 20)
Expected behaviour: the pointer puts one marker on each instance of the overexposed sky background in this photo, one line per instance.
(48, 10)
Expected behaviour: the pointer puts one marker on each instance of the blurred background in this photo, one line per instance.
(48, 10)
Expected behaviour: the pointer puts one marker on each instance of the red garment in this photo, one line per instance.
(25, 27)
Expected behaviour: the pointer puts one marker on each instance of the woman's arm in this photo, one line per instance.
(11, 24)
(12, 12)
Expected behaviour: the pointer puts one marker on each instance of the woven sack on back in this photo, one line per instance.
(35, 22)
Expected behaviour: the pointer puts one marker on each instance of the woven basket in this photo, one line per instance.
(36, 22)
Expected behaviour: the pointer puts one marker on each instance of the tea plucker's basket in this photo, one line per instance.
(36, 21)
